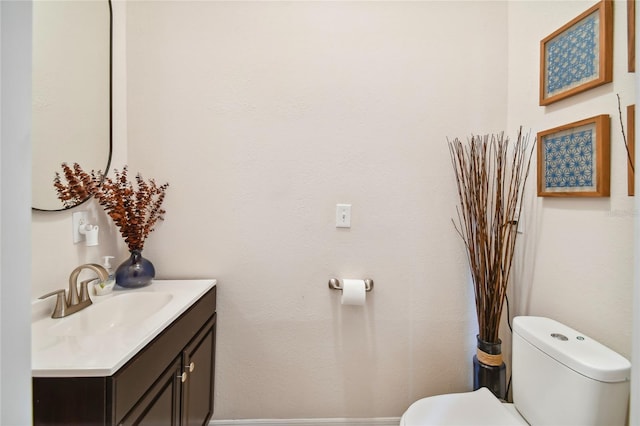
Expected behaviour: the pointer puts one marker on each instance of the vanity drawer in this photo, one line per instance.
(135, 378)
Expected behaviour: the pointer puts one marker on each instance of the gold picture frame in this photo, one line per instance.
(574, 159)
(631, 35)
(579, 55)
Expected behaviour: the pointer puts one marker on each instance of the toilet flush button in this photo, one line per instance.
(559, 336)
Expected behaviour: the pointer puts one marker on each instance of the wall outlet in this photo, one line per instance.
(78, 218)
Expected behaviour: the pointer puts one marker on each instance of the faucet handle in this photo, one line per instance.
(61, 304)
(84, 291)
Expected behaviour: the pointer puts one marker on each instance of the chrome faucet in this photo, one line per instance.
(74, 302)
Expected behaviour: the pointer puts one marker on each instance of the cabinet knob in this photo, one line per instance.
(191, 366)
(183, 377)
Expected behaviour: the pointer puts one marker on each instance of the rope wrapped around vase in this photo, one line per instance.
(489, 359)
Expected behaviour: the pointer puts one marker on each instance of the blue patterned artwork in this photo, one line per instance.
(579, 55)
(569, 160)
(572, 56)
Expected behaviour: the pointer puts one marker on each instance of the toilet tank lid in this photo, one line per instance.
(573, 349)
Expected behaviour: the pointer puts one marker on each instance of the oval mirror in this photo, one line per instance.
(71, 101)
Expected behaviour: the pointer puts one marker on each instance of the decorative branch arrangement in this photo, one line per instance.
(77, 188)
(491, 174)
(624, 137)
(134, 211)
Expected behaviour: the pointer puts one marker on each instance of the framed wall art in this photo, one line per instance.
(574, 159)
(579, 55)
(631, 35)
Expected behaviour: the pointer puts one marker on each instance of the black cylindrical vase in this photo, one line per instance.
(488, 369)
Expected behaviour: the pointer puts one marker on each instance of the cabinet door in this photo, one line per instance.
(199, 358)
(161, 404)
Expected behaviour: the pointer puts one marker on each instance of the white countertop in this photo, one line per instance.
(67, 347)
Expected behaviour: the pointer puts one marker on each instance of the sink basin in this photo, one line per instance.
(122, 310)
(98, 340)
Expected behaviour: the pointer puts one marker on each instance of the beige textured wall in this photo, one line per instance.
(263, 116)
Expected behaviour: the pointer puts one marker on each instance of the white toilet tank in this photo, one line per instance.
(562, 377)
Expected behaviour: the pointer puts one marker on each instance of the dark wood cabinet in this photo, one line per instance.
(169, 382)
(161, 404)
(199, 360)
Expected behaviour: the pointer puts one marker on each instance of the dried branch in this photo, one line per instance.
(75, 191)
(134, 210)
(624, 137)
(490, 176)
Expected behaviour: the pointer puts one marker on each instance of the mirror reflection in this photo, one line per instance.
(71, 111)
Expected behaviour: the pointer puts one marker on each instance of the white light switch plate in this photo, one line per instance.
(343, 215)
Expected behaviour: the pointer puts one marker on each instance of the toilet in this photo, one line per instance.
(559, 377)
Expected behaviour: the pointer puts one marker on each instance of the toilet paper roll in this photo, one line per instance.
(353, 292)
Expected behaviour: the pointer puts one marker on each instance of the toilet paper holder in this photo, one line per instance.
(334, 284)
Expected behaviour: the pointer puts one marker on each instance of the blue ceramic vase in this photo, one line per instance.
(136, 271)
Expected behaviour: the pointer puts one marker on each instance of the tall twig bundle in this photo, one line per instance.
(491, 174)
(134, 210)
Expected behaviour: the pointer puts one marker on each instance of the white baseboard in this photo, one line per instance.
(379, 421)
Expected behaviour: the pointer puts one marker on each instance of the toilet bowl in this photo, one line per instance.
(479, 408)
(560, 377)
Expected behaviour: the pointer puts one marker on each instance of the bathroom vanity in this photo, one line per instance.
(159, 370)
